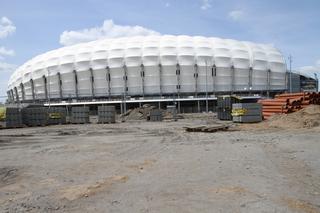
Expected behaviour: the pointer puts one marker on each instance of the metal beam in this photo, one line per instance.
(32, 90)
(22, 92)
(92, 82)
(45, 87)
(119, 101)
(60, 85)
(9, 96)
(12, 95)
(178, 78)
(76, 82)
(142, 79)
(17, 94)
(108, 77)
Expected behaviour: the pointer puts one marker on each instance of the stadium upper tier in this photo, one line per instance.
(149, 65)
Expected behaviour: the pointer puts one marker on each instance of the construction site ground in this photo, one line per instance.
(140, 166)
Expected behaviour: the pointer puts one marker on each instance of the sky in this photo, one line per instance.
(29, 28)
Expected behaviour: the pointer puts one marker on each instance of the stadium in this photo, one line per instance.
(186, 70)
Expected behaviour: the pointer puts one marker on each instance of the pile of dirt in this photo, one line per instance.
(142, 113)
(306, 118)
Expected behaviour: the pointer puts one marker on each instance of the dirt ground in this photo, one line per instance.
(140, 166)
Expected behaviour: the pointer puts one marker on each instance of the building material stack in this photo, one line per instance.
(80, 115)
(247, 112)
(10, 117)
(106, 114)
(155, 115)
(56, 115)
(35, 116)
(224, 106)
(288, 102)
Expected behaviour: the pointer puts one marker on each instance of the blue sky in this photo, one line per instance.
(36, 26)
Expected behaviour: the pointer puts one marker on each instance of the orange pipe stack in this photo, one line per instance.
(288, 102)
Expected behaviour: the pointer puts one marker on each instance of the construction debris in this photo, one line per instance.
(143, 113)
(140, 113)
(288, 103)
(207, 128)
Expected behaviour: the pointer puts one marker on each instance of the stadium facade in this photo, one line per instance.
(149, 67)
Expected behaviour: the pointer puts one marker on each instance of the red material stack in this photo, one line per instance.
(288, 102)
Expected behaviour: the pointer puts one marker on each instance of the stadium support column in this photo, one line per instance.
(23, 94)
(178, 79)
(12, 95)
(214, 74)
(32, 90)
(268, 82)
(250, 79)
(196, 79)
(76, 83)
(60, 86)
(179, 85)
(142, 78)
(9, 97)
(92, 83)
(232, 79)
(160, 79)
(45, 87)
(109, 81)
(17, 94)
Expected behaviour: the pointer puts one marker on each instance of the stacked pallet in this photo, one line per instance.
(288, 102)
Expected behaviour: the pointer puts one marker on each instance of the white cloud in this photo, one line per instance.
(5, 67)
(107, 30)
(5, 52)
(205, 4)
(236, 15)
(6, 27)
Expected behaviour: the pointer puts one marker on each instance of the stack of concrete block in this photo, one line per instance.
(56, 115)
(80, 115)
(12, 118)
(224, 106)
(247, 112)
(106, 114)
(155, 115)
(35, 116)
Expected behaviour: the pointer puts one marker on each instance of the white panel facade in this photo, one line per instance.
(151, 65)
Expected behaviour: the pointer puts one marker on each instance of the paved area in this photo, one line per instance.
(158, 167)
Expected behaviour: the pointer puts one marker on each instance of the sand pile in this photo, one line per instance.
(305, 118)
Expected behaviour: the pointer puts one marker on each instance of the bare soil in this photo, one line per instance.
(140, 166)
